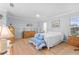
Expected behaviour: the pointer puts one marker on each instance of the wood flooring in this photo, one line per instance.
(22, 47)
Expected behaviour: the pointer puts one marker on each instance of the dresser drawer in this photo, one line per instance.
(28, 34)
(73, 41)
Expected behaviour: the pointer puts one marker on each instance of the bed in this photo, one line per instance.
(51, 39)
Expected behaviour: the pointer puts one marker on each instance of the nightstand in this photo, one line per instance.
(73, 40)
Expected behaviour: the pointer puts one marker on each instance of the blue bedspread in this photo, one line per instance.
(39, 39)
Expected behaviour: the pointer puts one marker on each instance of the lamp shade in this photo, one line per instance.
(5, 32)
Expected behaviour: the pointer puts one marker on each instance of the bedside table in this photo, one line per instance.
(73, 40)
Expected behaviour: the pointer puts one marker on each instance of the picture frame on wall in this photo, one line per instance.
(56, 23)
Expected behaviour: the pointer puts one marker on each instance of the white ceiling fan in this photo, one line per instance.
(11, 5)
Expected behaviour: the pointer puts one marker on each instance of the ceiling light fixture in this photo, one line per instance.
(37, 15)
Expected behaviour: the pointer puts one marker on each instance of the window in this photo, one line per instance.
(75, 26)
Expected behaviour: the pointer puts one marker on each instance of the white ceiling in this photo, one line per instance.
(43, 9)
(3, 7)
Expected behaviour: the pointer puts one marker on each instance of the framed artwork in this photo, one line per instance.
(29, 25)
(55, 23)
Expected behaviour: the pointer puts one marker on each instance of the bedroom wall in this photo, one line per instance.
(20, 24)
(64, 23)
(3, 11)
(3, 20)
(63, 27)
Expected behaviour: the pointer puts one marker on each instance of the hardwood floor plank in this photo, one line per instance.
(22, 47)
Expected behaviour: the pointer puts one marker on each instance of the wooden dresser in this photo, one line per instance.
(73, 40)
(28, 34)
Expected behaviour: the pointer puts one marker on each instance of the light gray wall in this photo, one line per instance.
(3, 20)
(64, 23)
(20, 23)
(63, 26)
